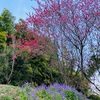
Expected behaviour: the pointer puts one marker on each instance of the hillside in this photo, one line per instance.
(9, 92)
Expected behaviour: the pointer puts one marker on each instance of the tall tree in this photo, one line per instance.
(68, 22)
(6, 30)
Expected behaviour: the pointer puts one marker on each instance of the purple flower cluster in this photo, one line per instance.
(56, 90)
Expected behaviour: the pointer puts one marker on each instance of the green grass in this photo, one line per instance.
(8, 92)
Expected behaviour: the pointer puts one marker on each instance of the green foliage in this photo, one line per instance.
(43, 95)
(5, 63)
(94, 97)
(6, 25)
(7, 21)
(3, 39)
(34, 70)
(80, 82)
(23, 96)
(42, 73)
(6, 52)
(6, 97)
(8, 92)
(71, 95)
(21, 72)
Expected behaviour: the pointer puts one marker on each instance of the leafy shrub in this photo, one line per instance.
(94, 97)
(34, 70)
(55, 92)
(23, 96)
(71, 95)
(43, 94)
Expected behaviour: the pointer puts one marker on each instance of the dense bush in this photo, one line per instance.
(34, 70)
(94, 97)
(54, 92)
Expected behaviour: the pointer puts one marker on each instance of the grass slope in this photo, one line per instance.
(8, 92)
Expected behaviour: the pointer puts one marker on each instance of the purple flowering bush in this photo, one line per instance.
(55, 92)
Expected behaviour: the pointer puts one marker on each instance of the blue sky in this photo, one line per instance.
(18, 8)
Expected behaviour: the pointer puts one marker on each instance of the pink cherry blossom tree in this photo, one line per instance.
(70, 23)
